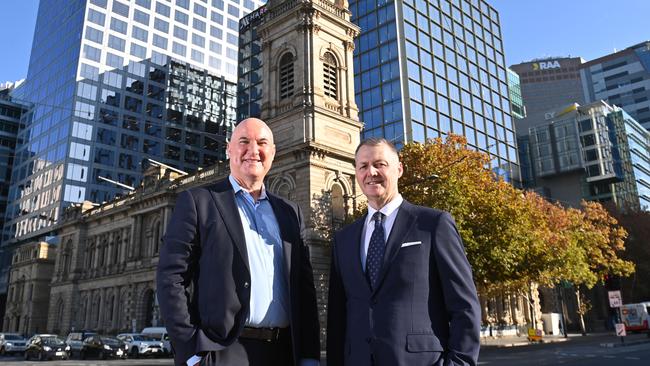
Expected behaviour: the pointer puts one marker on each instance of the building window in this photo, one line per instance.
(141, 17)
(162, 9)
(118, 25)
(161, 25)
(121, 9)
(286, 76)
(330, 80)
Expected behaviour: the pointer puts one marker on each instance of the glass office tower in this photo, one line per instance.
(623, 79)
(594, 152)
(425, 68)
(249, 81)
(113, 83)
(10, 113)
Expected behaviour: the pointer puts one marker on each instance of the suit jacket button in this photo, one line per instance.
(368, 339)
(246, 284)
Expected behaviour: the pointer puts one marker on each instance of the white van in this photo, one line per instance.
(159, 334)
(636, 317)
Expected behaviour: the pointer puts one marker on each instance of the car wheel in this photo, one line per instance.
(26, 356)
(82, 355)
(102, 355)
(3, 351)
(42, 356)
(134, 352)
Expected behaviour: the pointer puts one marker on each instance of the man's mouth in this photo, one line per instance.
(374, 182)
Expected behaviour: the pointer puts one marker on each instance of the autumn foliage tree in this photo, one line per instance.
(512, 237)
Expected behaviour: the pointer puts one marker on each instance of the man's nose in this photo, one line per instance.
(254, 147)
(373, 171)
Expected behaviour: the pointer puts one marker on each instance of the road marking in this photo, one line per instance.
(607, 356)
(632, 358)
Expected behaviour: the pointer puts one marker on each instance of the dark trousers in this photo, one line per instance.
(254, 352)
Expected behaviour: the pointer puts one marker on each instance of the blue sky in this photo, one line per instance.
(586, 28)
(17, 20)
(531, 29)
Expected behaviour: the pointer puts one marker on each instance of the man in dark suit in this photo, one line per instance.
(401, 290)
(235, 284)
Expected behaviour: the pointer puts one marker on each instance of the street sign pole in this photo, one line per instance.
(616, 301)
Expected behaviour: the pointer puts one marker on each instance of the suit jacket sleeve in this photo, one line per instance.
(176, 267)
(461, 300)
(336, 314)
(309, 324)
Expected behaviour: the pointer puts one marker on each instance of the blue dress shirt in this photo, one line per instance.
(269, 303)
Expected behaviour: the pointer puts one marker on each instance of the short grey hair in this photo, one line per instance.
(376, 141)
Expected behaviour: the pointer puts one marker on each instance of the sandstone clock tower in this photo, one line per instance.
(308, 101)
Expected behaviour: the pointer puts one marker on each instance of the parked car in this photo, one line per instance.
(12, 343)
(103, 347)
(141, 345)
(46, 347)
(76, 340)
(160, 334)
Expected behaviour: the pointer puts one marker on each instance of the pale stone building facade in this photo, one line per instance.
(29, 288)
(104, 277)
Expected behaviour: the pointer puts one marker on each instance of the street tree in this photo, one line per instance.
(512, 238)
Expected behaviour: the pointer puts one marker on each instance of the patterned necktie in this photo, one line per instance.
(376, 250)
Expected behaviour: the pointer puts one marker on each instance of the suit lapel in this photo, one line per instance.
(403, 224)
(284, 222)
(357, 237)
(350, 250)
(224, 198)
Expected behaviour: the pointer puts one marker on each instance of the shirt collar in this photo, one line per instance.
(236, 187)
(388, 208)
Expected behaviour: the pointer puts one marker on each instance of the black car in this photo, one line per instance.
(76, 340)
(46, 347)
(103, 347)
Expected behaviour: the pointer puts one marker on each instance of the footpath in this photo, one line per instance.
(604, 339)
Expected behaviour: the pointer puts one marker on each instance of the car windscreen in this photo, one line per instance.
(111, 341)
(53, 341)
(13, 337)
(142, 338)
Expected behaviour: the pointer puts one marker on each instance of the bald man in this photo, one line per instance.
(235, 284)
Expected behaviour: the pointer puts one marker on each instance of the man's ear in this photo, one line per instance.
(400, 170)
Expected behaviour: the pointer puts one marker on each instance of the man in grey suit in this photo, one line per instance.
(240, 250)
(401, 290)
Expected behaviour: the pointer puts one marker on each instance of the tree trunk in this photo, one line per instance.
(580, 312)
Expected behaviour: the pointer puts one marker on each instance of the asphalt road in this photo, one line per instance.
(577, 352)
(18, 361)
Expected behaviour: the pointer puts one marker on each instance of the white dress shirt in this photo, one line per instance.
(390, 211)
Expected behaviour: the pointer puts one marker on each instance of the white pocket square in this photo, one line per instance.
(408, 244)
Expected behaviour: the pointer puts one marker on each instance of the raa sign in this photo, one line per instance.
(546, 65)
